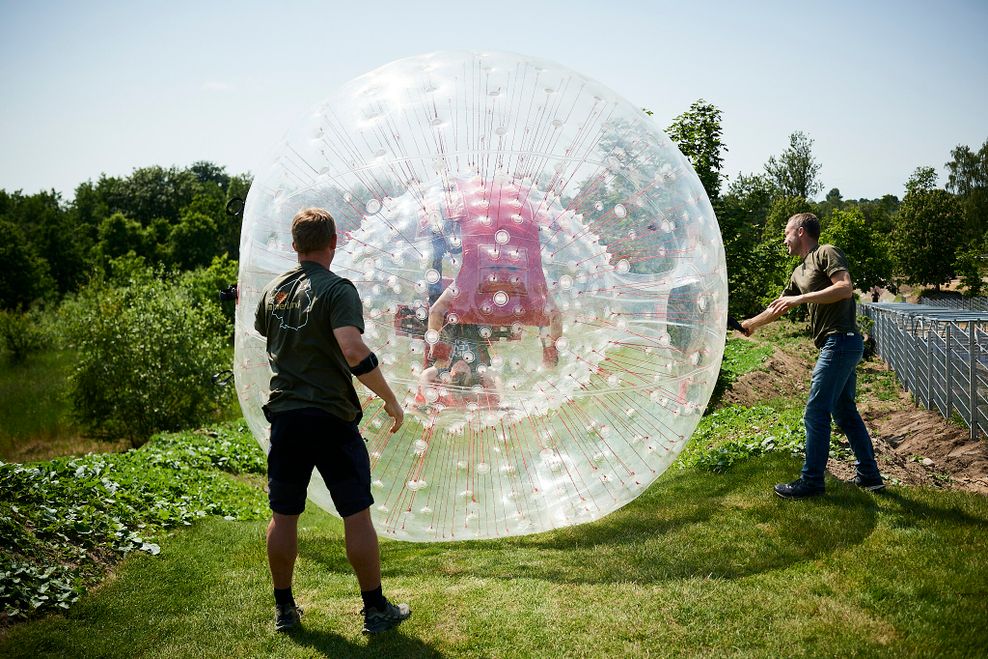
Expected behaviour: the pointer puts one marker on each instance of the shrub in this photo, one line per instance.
(147, 353)
(20, 335)
(205, 284)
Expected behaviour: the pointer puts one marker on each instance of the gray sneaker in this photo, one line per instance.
(287, 617)
(381, 620)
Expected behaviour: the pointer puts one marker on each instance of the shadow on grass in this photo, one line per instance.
(388, 644)
(688, 524)
(915, 513)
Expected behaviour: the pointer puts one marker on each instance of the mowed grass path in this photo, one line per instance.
(702, 564)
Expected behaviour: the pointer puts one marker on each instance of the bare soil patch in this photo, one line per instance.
(47, 447)
(913, 445)
(782, 376)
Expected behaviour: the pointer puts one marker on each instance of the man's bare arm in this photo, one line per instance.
(841, 288)
(355, 351)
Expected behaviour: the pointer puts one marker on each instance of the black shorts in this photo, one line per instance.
(307, 438)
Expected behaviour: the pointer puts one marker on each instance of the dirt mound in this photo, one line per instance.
(913, 445)
(782, 376)
(919, 447)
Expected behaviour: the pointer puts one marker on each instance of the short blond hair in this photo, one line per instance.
(313, 229)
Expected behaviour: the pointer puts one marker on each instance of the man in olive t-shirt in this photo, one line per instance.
(823, 283)
(312, 322)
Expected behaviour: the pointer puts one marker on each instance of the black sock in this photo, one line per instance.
(283, 597)
(374, 599)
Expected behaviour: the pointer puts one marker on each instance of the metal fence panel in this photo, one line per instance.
(939, 354)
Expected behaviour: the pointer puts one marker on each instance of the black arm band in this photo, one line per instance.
(368, 364)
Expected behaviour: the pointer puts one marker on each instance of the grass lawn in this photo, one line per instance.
(702, 564)
(34, 405)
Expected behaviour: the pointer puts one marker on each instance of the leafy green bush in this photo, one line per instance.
(21, 334)
(147, 352)
(62, 521)
(205, 284)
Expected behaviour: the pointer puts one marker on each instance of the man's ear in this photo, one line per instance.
(294, 248)
(332, 242)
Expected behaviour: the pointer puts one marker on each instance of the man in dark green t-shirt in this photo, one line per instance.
(312, 321)
(823, 283)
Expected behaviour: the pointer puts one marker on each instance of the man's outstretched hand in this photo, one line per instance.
(732, 323)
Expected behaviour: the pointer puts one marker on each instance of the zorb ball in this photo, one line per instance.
(542, 277)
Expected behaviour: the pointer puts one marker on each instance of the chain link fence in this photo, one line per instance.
(939, 354)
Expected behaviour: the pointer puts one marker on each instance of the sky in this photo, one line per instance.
(91, 88)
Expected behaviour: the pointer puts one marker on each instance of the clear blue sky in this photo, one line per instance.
(94, 87)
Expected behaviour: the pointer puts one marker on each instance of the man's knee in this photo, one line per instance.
(359, 518)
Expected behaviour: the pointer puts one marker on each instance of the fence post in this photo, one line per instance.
(946, 372)
(973, 407)
(929, 365)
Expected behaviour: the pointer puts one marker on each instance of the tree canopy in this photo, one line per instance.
(795, 172)
(698, 134)
(172, 217)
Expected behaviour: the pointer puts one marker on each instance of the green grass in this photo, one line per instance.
(707, 562)
(703, 563)
(881, 384)
(741, 356)
(34, 399)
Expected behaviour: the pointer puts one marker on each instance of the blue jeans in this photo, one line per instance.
(832, 391)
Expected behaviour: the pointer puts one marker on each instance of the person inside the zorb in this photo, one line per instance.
(500, 287)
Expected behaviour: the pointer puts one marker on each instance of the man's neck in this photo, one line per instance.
(323, 257)
(807, 249)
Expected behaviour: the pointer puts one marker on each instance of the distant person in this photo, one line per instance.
(823, 283)
(313, 321)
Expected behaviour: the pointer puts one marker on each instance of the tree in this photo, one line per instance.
(147, 353)
(118, 235)
(207, 172)
(51, 233)
(832, 202)
(741, 213)
(193, 241)
(795, 172)
(697, 132)
(779, 212)
(923, 179)
(878, 213)
(24, 275)
(968, 178)
(929, 230)
(972, 267)
(867, 250)
(64, 246)
(151, 192)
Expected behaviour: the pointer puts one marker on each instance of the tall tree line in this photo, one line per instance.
(170, 217)
(176, 218)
